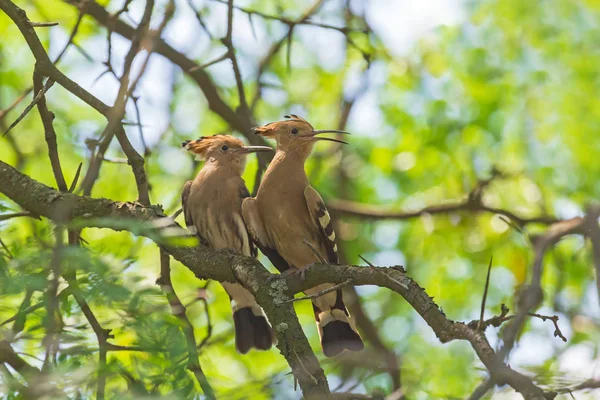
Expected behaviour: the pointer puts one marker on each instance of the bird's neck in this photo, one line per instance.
(214, 169)
(286, 167)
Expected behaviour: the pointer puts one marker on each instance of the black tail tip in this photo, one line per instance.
(263, 339)
(251, 331)
(339, 336)
(185, 143)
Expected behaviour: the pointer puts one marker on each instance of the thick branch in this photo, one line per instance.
(209, 264)
(204, 262)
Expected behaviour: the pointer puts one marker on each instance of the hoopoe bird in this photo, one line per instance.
(289, 222)
(212, 207)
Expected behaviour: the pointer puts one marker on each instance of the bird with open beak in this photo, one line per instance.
(289, 222)
(212, 207)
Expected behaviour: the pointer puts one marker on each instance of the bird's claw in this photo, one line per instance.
(291, 272)
(302, 271)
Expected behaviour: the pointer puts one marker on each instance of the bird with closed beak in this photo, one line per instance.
(290, 224)
(212, 207)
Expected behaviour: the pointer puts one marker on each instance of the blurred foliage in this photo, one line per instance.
(512, 86)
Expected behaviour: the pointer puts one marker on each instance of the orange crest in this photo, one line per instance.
(207, 144)
(271, 128)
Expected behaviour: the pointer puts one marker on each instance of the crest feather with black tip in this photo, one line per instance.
(203, 145)
(272, 127)
(296, 117)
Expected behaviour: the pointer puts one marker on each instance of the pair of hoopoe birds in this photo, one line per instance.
(287, 221)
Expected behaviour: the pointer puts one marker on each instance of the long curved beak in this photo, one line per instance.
(317, 132)
(254, 149)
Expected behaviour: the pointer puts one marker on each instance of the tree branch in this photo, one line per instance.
(38, 385)
(215, 102)
(179, 311)
(532, 295)
(115, 115)
(290, 22)
(228, 42)
(49, 133)
(5, 217)
(264, 63)
(593, 232)
(353, 209)
(44, 64)
(225, 266)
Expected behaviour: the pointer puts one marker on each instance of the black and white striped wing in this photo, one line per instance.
(319, 213)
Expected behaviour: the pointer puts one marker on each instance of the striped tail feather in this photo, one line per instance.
(251, 330)
(336, 329)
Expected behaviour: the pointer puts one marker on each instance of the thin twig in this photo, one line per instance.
(8, 253)
(321, 293)
(216, 103)
(37, 98)
(593, 233)
(485, 292)
(42, 24)
(72, 35)
(115, 114)
(266, 61)
(49, 133)
(138, 116)
(345, 207)
(5, 217)
(75, 178)
(531, 296)
(209, 327)
(322, 260)
(208, 64)
(554, 319)
(23, 312)
(397, 282)
(54, 272)
(15, 102)
(503, 317)
(179, 311)
(200, 20)
(290, 22)
(228, 42)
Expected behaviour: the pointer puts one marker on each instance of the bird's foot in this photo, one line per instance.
(284, 274)
(291, 272)
(302, 271)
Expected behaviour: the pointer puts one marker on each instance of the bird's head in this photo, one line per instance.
(223, 150)
(295, 134)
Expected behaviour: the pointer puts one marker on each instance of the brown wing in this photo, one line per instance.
(245, 194)
(187, 213)
(259, 236)
(319, 213)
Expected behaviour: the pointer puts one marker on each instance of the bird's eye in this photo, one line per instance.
(225, 147)
(294, 131)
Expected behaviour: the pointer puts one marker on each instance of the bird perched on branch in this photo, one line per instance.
(289, 222)
(212, 206)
